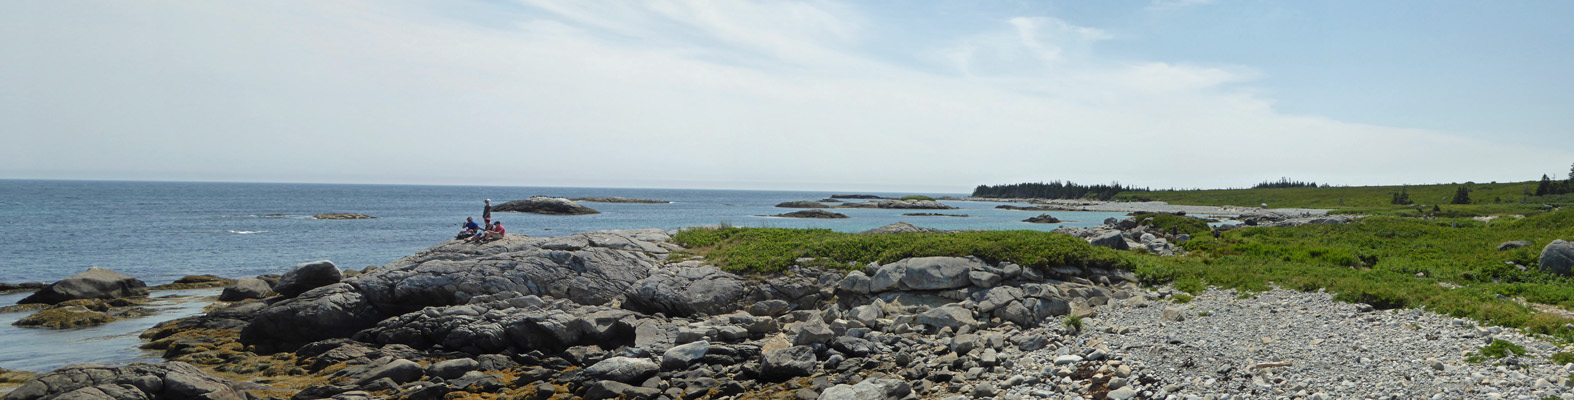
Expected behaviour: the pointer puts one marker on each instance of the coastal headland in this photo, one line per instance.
(727, 312)
(1168, 301)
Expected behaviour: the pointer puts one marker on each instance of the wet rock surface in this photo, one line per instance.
(95, 283)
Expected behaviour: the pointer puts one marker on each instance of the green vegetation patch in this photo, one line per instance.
(772, 250)
(1450, 266)
(918, 197)
(1562, 358)
(1497, 349)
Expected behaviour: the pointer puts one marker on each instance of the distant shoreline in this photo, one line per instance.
(1141, 206)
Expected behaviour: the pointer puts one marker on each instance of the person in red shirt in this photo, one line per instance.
(497, 232)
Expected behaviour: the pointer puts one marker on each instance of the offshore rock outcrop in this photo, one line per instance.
(821, 214)
(546, 205)
(95, 283)
(899, 205)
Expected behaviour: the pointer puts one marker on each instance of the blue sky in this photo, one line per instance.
(934, 96)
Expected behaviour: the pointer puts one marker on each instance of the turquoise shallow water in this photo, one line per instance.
(160, 231)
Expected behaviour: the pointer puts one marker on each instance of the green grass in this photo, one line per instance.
(1181, 299)
(1501, 348)
(1390, 262)
(1488, 198)
(1449, 266)
(918, 197)
(771, 250)
(1562, 358)
(1073, 324)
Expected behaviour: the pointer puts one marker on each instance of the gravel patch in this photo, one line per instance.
(1284, 344)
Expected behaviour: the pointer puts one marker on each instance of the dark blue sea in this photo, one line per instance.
(160, 231)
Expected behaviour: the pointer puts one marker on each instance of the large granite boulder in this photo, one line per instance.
(248, 288)
(925, 273)
(788, 363)
(507, 323)
(1558, 257)
(95, 283)
(703, 290)
(546, 205)
(308, 276)
(171, 380)
(333, 311)
(623, 369)
(591, 268)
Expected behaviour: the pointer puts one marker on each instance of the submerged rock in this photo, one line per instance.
(619, 200)
(195, 282)
(546, 205)
(65, 318)
(20, 287)
(95, 283)
(342, 216)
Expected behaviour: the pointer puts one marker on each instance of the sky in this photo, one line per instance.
(885, 95)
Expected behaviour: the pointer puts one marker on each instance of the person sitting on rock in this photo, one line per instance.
(497, 232)
(469, 229)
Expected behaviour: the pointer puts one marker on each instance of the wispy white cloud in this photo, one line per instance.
(660, 93)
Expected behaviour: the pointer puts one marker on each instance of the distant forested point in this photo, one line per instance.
(1053, 190)
(1284, 183)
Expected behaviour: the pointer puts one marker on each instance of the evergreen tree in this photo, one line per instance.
(1461, 196)
(1401, 198)
(1545, 187)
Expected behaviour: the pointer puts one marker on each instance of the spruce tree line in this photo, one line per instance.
(1053, 190)
(1551, 187)
(1284, 183)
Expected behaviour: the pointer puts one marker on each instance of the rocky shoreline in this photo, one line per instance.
(610, 315)
(1136, 206)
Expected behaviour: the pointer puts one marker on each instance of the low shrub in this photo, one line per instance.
(772, 250)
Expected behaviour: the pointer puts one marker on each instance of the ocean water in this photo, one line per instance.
(160, 231)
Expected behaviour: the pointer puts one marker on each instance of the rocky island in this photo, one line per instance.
(822, 214)
(546, 205)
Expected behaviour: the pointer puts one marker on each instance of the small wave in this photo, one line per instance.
(245, 232)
